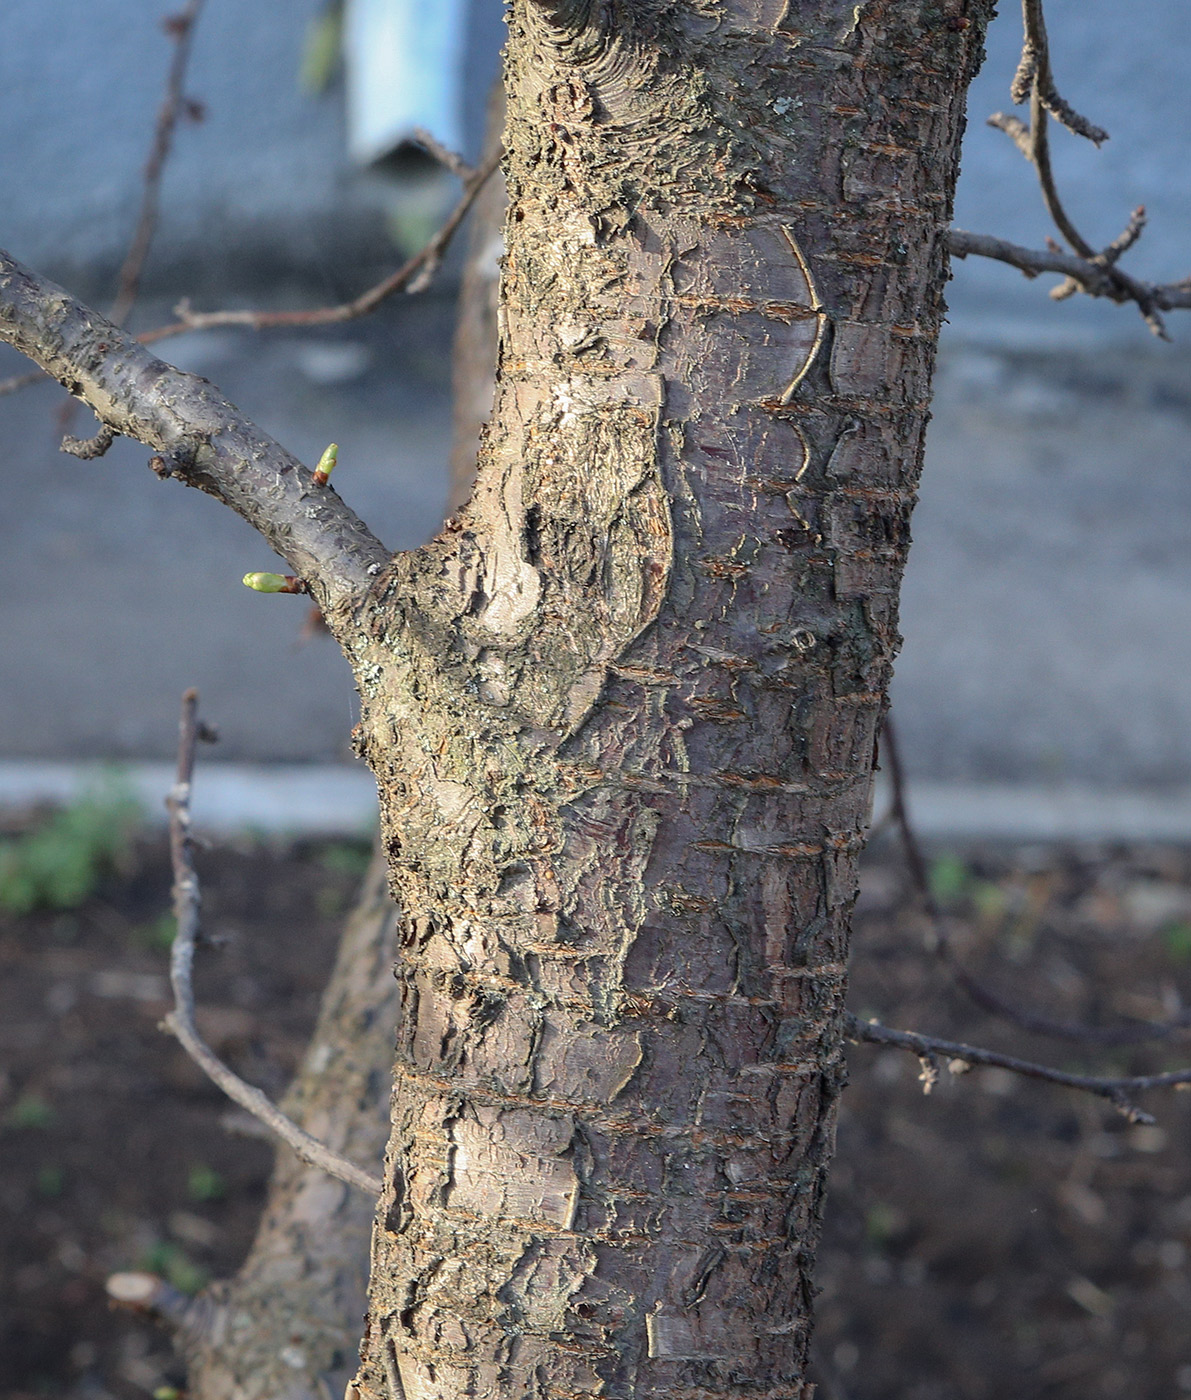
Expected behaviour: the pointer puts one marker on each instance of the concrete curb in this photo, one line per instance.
(340, 800)
(959, 812)
(229, 798)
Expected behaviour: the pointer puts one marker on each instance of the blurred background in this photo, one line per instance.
(1047, 607)
(999, 1239)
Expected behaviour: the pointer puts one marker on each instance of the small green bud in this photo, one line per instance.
(267, 583)
(326, 464)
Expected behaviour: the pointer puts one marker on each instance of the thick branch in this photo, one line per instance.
(210, 444)
(180, 1021)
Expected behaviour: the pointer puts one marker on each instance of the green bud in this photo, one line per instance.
(267, 583)
(326, 464)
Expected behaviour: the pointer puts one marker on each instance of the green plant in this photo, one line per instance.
(989, 900)
(175, 1266)
(60, 864)
(949, 879)
(158, 934)
(50, 1181)
(205, 1184)
(881, 1223)
(1178, 942)
(29, 1111)
(346, 858)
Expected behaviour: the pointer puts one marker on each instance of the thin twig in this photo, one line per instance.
(181, 1021)
(1034, 72)
(180, 28)
(16, 382)
(1092, 276)
(1035, 81)
(452, 160)
(930, 1049)
(984, 996)
(412, 276)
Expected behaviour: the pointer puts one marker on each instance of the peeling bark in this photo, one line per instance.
(622, 711)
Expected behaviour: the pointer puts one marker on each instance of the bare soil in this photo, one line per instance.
(998, 1238)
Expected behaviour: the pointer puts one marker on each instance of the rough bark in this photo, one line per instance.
(299, 1299)
(622, 712)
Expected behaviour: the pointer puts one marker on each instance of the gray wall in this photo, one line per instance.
(1047, 609)
(260, 190)
(262, 185)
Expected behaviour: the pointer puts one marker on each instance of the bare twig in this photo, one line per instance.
(180, 1021)
(180, 28)
(1034, 75)
(984, 996)
(930, 1049)
(197, 433)
(1034, 81)
(446, 157)
(16, 382)
(412, 276)
(1091, 276)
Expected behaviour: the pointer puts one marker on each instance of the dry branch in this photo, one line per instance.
(180, 28)
(1090, 271)
(181, 1021)
(981, 994)
(449, 159)
(413, 276)
(20, 381)
(931, 1048)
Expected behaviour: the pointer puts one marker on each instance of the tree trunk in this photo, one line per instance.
(622, 712)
